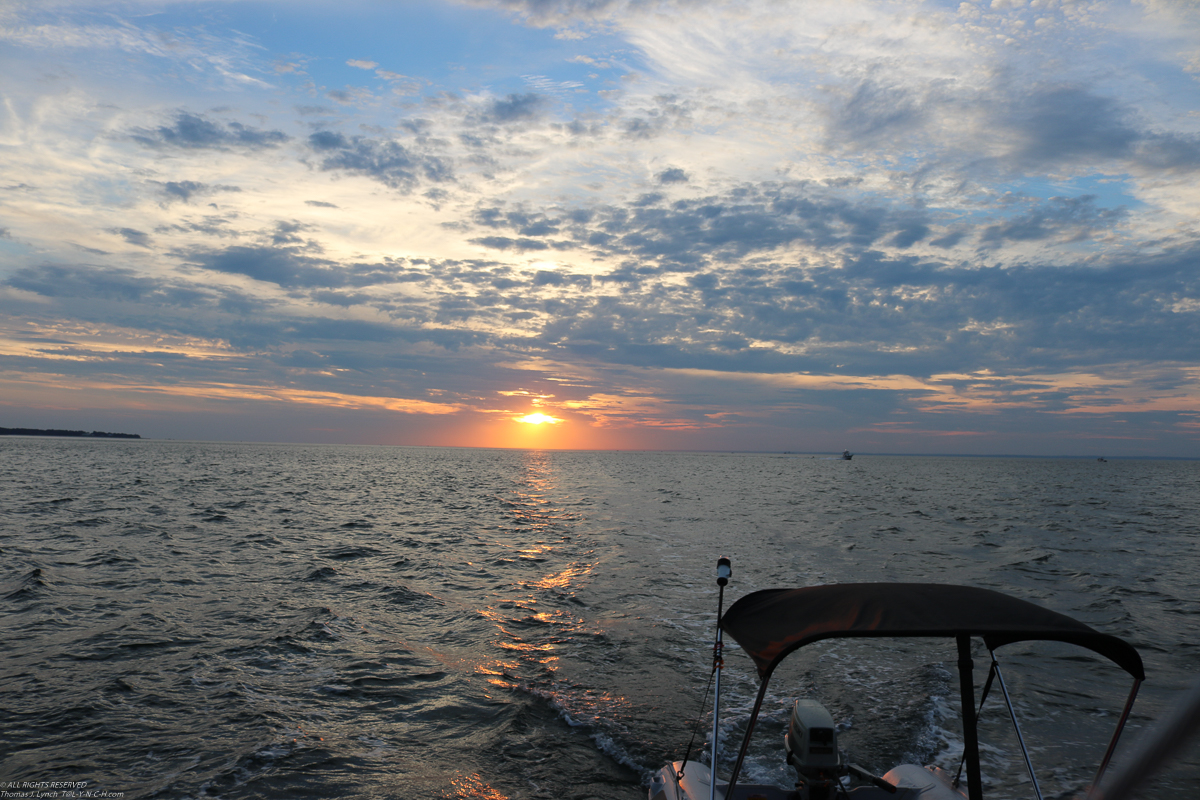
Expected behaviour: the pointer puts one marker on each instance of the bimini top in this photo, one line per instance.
(772, 623)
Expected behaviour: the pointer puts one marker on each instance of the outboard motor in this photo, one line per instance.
(811, 743)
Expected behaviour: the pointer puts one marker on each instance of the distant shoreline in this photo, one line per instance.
(55, 432)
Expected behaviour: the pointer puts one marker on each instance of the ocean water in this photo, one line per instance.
(188, 620)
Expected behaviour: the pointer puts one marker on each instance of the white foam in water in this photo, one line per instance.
(594, 727)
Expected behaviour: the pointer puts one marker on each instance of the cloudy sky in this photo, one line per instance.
(955, 227)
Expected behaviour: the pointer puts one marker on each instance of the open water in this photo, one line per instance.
(187, 620)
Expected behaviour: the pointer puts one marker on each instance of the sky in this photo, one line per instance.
(780, 225)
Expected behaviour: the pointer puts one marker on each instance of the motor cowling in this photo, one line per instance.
(811, 743)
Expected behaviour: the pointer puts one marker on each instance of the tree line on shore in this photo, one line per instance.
(56, 432)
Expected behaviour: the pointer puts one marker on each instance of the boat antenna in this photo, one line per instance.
(724, 573)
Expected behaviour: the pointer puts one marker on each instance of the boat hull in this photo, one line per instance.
(915, 783)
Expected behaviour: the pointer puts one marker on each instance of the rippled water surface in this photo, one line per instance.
(278, 621)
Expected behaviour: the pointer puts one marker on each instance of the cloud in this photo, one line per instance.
(384, 160)
(351, 95)
(183, 190)
(965, 131)
(360, 64)
(672, 175)
(190, 131)
(209, 225)
(506, 243)
(874, 110)
(280, 266)
(1067, 123)
(103, 283)
(286, 259)
(1063, 218)
(544, 84)
(134, 237)
(912, 228)
(689, 232)
(515, 108)
(186, 190)
(663, 112)
(51, 26)
(400, 84)
(1172, 152)
(569, 12)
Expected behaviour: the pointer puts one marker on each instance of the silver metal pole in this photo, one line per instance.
(724, 573)
(712, 773)
(1016, 726)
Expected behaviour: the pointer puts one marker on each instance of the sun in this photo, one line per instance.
(539, 419)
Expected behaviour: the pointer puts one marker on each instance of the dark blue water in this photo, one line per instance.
(241, 621)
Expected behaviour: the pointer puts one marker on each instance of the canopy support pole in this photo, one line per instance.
(1157, 747)
(987, 687)
(1112, 746)
(737, 767)
(966, 682)
(1012, 713)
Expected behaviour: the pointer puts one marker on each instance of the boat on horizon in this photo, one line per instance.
(771, 624)
(847, 455)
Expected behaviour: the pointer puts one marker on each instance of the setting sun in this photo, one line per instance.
(539, 419)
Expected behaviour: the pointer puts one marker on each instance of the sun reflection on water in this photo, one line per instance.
(536, 550)
(565, 579)
(538, 622)
(473, 787)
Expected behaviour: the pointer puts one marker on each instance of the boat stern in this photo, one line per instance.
(694, 785)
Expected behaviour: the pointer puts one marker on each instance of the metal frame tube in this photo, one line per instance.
(966, 683)
(1112, 746)
(1012, 713)
(712, 771)
(1154, 749)
(737, 767)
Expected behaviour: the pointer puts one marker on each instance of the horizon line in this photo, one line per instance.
(633, 450)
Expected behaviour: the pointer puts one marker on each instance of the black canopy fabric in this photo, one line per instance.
(772, 623)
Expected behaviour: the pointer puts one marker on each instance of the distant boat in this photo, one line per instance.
(847, 455)
(1102, 460)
